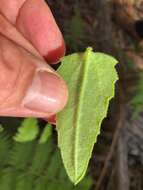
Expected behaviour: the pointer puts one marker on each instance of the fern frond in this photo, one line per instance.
(34, 165)
(46, 134)
(137, 100)
(57, 186)
(42, 154)
(25, 182)
(54, 167)
(28, 131)
(85, 184)
(1, 128)
(41, 184)
(8, 179)
(22, 155)
(62, 174)
(5, 145)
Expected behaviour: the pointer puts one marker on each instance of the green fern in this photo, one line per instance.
(137, 100)
(34, 164)
(28, 131)
(75, 30)
(24, 182)
(42, 154)
(8, 179)
(41, 184)
(5, 145)
(46, 134)
(22, 154)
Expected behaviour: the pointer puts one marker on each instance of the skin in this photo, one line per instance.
(29, 39)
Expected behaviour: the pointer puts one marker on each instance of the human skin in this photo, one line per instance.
(29, 40)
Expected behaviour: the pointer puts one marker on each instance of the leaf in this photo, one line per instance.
(1, 128)
(5, 145)
(54, 166)
(41, 184)
(32, 165)
(28, 130)
(46, 134)
(7, 180)
(42, 154)
(91, 81)
(22, 154)
(24, 182)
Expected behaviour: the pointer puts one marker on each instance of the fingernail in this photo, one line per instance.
(46, 94)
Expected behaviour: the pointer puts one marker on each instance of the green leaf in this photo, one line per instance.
(8, 179)
(137, 100)
(41, 184)
(28, 130)
(54, 166)
(1, 128)
(5, 145)
(24, 182)
(42, 154)
(22, 154)
(91, 81)
(85, 184)
(32, 165)
(46, 134)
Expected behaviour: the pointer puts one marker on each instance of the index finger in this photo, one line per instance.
(35, 21)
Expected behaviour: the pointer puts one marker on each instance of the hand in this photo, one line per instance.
(29, 87)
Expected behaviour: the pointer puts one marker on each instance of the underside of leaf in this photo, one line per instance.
(91, 81)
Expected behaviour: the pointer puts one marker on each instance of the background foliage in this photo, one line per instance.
(35, 163)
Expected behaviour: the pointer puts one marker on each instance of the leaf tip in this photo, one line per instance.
(76, 179)
(89, 49)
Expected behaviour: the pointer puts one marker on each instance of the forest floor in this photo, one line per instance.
(114, 27)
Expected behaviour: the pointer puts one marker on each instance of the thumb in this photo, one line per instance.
(29, 87)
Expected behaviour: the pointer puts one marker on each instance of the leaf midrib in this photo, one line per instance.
(79, 105)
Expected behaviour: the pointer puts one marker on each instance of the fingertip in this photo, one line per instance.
(53, 56)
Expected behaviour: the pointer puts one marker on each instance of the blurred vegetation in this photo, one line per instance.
(34, 164)
(75, 31)
(137, 100)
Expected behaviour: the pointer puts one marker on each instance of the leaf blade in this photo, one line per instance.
(90, 90)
